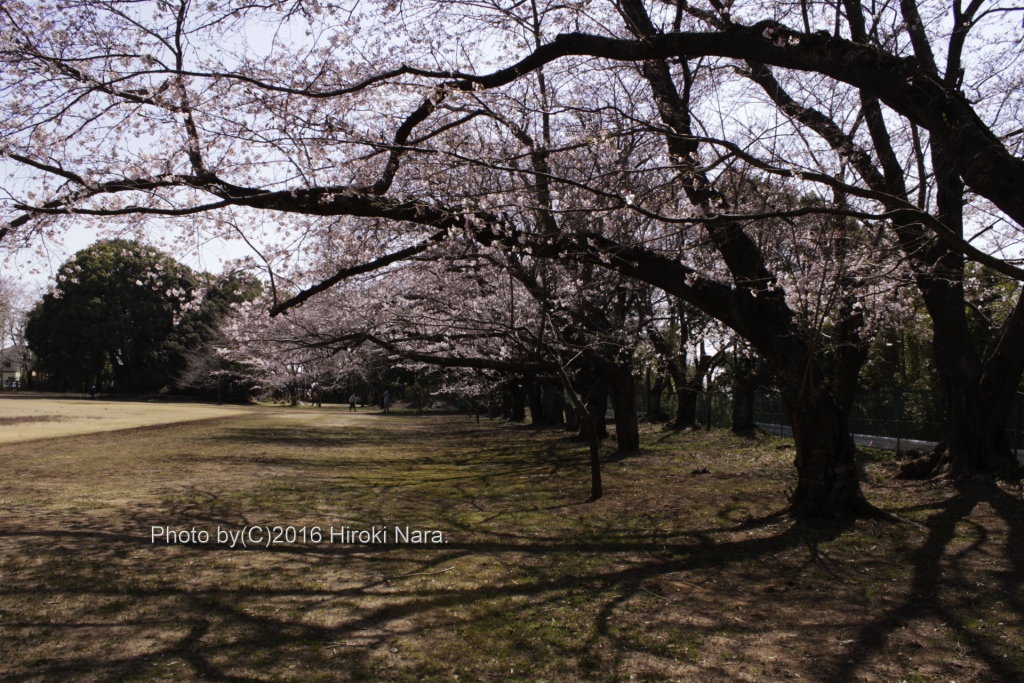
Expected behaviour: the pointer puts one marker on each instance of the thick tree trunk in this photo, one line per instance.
(686, 408)
(517, 403)
(655, 413)
(618, 377)
(827, 484)
(627, 428)
(977, 443)
(746, 379)
(978, 388)
(546, 405)
(753, 306)
(537, 416)
(819, 407)
(553, 405)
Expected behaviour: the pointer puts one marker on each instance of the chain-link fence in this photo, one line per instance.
(721, 407)
(890, 419)
(894, 419)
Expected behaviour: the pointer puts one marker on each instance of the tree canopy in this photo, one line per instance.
(122, 315)
(786, 169)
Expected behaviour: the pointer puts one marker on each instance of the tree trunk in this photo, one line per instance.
(594, 446)
(978, 387)
(597, 406)
(686, 408)
(627, 429)
(655, 413)
(553, 405)
(743, 408)
(546, 405)
(572, 418)
(517, 403)
(827, 478)
(827, 484)
(746, 379)
(977, 443)
(587, 427)
(537, 416)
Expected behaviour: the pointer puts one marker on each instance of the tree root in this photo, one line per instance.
(859, 509)
(926, 466)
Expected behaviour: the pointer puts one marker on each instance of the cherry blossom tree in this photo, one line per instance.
(14, 304)
(596, 133)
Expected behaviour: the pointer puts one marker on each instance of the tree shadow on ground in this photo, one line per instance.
(943, 590)
(216, 633)
(674, 576)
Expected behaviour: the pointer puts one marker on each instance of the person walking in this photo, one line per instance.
(352, 402)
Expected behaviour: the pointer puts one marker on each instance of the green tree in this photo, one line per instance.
(111, 318)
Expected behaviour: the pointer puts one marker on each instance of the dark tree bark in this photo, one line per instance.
(553, 405)
(686, 406)
(537, 416)
(494, 403)
(747, 375)
(979, 394)
(594, 391)
(627, 428)
(978, 384)
(513, 401)
(655, 412)
(546, 404)
(517, 403)
(752, 304)
(675, 359)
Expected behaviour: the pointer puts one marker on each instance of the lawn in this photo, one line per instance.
(683, 571)
(41, 416)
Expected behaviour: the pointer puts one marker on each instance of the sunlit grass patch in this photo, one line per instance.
(26, 419)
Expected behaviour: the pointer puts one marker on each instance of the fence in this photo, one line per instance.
(890, 419)
(721, 407)
(895, 419)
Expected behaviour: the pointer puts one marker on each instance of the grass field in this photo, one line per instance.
(681, 572)
(25, 419)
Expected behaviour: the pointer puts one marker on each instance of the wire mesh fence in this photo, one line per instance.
(721, 407)
(896, 419)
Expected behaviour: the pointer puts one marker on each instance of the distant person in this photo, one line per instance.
(352, 402)
(92, 391)
(387, 400)
(316, 398)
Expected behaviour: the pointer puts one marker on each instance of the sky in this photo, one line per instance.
(35, 271)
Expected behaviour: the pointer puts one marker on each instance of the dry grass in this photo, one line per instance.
(25, 419)
(677, 574)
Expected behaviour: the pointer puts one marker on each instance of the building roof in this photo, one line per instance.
(14, 352)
